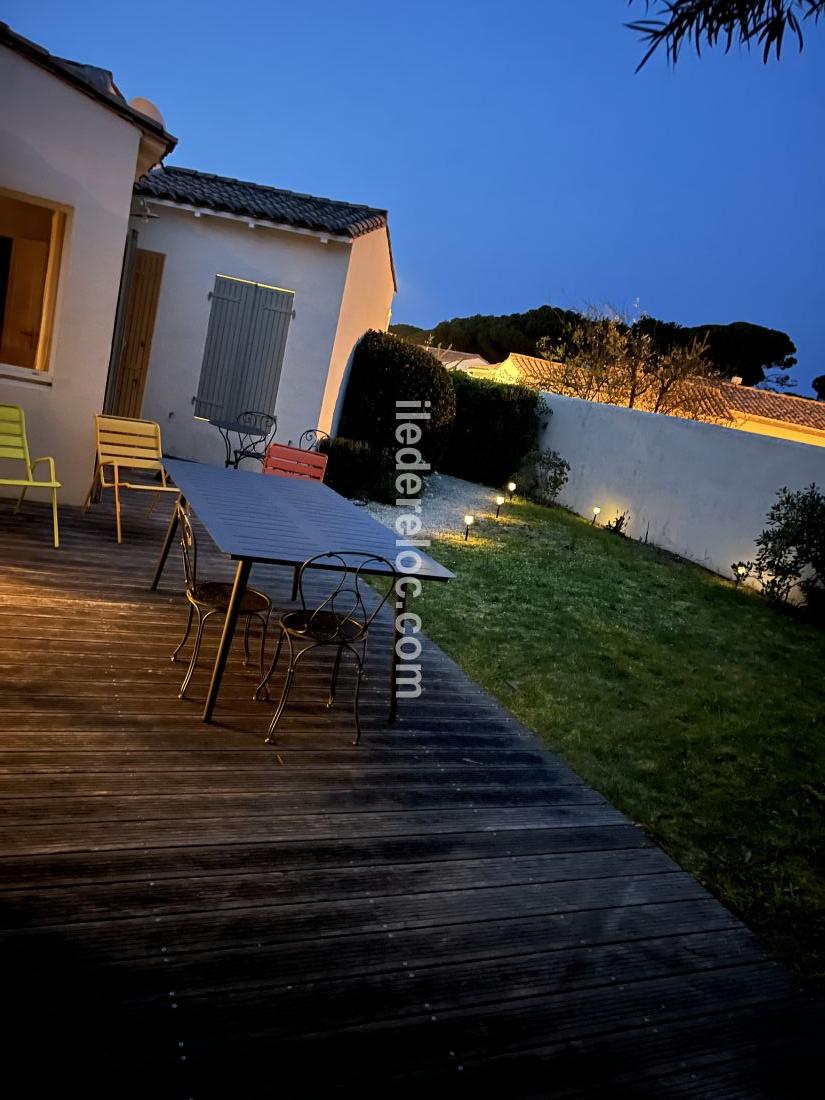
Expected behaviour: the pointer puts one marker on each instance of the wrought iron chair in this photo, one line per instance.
(208, 598)
(255, 431)
(341, 621)
(311, 439)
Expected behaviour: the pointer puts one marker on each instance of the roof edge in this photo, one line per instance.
(143, 186)
(266, 223)
(40, 56)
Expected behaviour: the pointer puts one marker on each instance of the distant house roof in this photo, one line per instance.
(97, 83)
(256, 200)
(804, 412)
(455, 360)
(720, 401)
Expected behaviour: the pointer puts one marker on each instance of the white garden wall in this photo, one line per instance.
(699, 490)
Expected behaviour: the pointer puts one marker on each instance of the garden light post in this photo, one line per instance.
(740, 571)
(468, 522)
(499, 502)
(596, 511)
(511, 488)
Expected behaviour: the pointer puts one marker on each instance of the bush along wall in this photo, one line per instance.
(385, 370)
(359, 471)
(495, 426)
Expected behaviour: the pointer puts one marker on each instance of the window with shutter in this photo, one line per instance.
(244, 352)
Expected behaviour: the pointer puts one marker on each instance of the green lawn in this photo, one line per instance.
(695, 708)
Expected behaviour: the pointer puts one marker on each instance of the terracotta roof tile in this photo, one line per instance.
(805, 412)
(719, 401)
(255, 200)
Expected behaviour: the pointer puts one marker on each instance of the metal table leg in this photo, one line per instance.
(238, 589)
(167, 544)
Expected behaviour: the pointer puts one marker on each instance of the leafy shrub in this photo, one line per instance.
(792, 547)
(542, 475)
(358, 470)
(496, 425)
(620, 524)
(385, 370)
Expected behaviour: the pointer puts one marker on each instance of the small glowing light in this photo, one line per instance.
(596, 510)
(511, 486)
(468, 520)
(499, 501)
(740, 569)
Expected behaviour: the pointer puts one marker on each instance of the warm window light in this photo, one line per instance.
(499, 502)
(468, 522)
(596, 511)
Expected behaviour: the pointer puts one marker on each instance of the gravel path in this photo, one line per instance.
(445, 502)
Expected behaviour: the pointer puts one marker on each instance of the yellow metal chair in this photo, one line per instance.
(14, 445)
(124, 443)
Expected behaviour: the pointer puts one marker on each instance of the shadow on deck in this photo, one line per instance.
(188, 912)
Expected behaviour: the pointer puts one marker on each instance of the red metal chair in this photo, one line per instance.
(293, 462)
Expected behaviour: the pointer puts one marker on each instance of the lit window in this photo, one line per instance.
(31, 238)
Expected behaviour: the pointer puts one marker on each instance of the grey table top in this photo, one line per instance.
(281, 520)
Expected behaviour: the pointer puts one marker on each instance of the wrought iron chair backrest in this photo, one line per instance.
(311, 439)
(333, 619)
(258, 422)
(188, 548)
(255, 430)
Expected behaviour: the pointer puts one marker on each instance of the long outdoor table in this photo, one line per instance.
(255, 517)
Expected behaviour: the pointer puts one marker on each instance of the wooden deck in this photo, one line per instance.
(445, 910)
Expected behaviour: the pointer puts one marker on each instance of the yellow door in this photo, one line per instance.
(24, 302)
(138, 329)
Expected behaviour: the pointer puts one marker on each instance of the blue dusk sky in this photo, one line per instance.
(520, 157)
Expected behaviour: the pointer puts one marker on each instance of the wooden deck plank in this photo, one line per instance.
(187, 912)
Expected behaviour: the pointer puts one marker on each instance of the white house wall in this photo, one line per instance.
(58, 144)
(366, 304)
(699, 490)
(198, 249)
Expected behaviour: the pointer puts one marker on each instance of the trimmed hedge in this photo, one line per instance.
(385, 370)
(358, 470)
(495, 426)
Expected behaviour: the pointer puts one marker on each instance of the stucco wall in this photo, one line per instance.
(366, 304)
(198, 249)
(697, 489)
(58, 144)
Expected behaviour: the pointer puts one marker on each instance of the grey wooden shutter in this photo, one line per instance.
(244, 352)
(256, 383)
